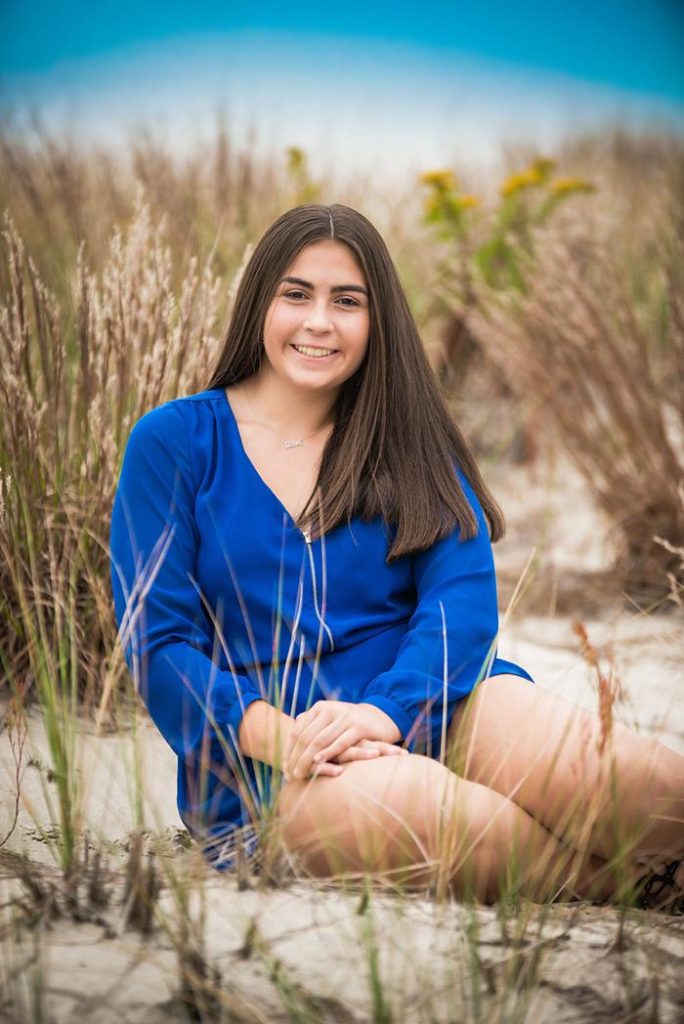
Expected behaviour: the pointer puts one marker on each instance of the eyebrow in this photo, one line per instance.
(335, 288)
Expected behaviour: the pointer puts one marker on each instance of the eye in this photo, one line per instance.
(349, 299)
(293, 293)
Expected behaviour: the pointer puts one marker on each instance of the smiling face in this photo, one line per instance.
(317, 324)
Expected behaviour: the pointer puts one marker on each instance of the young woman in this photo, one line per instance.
(303, 578)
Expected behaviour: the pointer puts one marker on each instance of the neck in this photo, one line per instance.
(294, 412)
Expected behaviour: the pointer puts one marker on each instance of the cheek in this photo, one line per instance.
(282, 321)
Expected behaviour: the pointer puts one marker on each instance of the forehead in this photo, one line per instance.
(327, 261)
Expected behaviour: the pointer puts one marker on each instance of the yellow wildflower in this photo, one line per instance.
(518, 181)
(562, 186)
(467, 202)
(535, 174)
(443, 180)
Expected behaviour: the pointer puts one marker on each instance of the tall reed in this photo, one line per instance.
(607, 369)
(580, 306)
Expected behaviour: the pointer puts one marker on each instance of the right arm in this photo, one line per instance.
(264, 732)
(164, 630)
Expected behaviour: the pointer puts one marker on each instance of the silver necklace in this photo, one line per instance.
(294, 442)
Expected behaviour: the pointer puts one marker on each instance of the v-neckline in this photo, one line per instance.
(253, 468)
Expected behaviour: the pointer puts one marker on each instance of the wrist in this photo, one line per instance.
(264, 733)
(388, 728)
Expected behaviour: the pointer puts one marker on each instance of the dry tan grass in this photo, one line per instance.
(612, 382)
(131, 316)
(71, 397)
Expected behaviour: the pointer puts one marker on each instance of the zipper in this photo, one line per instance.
(326, 627)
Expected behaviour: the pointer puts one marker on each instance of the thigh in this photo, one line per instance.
(407, 818)
(545, 753)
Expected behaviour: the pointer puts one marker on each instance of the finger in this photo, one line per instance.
(350, 737)
(327, 769)
(315, 739)
(376, 748)
(365, 748)
(390, 749)
(304, 719)
(306, 728)
(357, 753)
(382, 745)
(298, 742)
(301, 721)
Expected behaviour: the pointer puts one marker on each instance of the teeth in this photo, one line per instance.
(319, 352)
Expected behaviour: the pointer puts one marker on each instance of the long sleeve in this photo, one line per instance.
(450, 641)
(164, 629)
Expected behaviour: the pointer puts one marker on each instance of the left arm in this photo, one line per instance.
(451, 638)
(448, 647)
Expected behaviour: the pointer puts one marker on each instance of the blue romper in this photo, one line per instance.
(222, 600)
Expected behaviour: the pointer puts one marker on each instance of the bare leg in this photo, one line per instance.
(414, 821)
(543, 753)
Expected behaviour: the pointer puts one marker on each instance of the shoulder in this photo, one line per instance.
(176, 437)
(175, 420)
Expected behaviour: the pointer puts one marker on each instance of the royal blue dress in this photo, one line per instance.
(222, 600)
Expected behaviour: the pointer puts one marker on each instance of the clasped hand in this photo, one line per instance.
(337, 731)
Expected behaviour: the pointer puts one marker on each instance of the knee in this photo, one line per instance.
(415, 789)
(379, 813)
(450, 816)
(478, 840)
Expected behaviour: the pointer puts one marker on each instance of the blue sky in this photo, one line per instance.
(349, 77)
(634, 44)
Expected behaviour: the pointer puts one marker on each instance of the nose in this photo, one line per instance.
(317, 319)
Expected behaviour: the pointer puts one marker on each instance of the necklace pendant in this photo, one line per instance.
(292, 444)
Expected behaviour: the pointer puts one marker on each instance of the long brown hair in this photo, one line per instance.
(394, 443)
